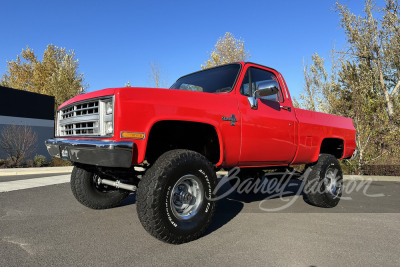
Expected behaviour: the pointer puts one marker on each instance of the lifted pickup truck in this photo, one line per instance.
(168, 143)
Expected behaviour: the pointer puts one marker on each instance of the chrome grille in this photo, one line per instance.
(81, 128)
(81, 109)
(84, 118)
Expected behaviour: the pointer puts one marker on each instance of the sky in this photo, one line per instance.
(115, 41)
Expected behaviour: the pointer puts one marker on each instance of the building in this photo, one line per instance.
(20, 107)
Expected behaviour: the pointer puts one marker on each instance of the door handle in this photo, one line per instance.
(286, 108)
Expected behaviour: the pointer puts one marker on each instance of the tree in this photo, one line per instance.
(319, 84)
(315, 78)
(376, 42)
(156, 75)
(18, 142)
(228, 49)
(369, 80)
(363, 83)
(57, 74)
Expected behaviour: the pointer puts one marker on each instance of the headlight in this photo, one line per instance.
(109, 127)
(109, 108)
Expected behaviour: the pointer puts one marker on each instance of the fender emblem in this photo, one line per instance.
(232, 119)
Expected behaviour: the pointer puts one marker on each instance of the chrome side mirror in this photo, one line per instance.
(266, 88)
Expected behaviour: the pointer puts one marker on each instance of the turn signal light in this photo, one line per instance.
(132, 135)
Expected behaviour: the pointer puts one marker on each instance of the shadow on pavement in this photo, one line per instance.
(131, 199)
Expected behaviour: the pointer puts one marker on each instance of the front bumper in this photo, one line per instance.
(96, 152)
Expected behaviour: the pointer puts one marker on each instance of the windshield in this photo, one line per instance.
(215, 80)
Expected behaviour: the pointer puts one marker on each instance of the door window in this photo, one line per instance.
(253, 78)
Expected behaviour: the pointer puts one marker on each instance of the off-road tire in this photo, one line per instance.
(314, 186)
(155, 191)
(85, 191)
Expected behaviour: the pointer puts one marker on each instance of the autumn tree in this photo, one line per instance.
(228, 49)
(56, 74)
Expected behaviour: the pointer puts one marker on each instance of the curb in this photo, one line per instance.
(39, 170)
(371, 178)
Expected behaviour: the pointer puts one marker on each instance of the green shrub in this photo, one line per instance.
(39, 160)
(57, 162)
(29, 163)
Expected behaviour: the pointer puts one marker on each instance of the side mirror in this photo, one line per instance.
(266, 88)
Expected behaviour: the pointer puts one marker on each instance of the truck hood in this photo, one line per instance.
(95, 94)
(133, 90)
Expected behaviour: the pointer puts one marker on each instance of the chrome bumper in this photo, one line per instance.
(92, 152)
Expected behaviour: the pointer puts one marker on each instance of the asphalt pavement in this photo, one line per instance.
(46, 226)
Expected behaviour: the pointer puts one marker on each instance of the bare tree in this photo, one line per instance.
(156, 75)
(18, 142)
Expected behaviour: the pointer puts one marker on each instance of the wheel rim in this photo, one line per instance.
(333, 182)
(186, 197)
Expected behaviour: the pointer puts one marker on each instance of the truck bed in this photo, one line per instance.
(314, 126)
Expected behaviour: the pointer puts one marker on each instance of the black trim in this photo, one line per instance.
(20, 103)
(261, 66)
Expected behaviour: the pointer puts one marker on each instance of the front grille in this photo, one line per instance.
(81, 128)
(83, 119)
(81, 109)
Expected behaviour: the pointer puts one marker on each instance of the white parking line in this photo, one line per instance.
(32, 183)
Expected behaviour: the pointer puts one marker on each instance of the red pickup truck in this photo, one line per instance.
(167, 144)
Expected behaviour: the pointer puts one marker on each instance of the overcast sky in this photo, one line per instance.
(116, 40)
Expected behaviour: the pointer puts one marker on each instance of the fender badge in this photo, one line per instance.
(232, 119)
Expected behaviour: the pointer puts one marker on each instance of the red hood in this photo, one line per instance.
(100, 93)
(112, 91)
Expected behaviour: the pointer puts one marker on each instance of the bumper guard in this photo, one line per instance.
(96, 152)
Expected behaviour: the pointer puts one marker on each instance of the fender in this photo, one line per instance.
(215, 125)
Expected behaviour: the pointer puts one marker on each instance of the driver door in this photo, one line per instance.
(268, 132)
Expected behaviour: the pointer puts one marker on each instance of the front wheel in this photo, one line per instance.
(173, 197)
(87, 191)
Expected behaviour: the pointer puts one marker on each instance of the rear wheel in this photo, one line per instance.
(324, 183)
(90, 193)
(173, 197)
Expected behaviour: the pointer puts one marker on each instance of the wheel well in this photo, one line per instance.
(168, 135)
(333, 146)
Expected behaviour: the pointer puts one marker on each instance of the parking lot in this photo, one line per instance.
(46, 226)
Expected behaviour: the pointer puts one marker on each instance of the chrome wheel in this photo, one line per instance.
(333, 183)
(186, 197)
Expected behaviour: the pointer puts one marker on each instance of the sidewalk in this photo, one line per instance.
(39, 170)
